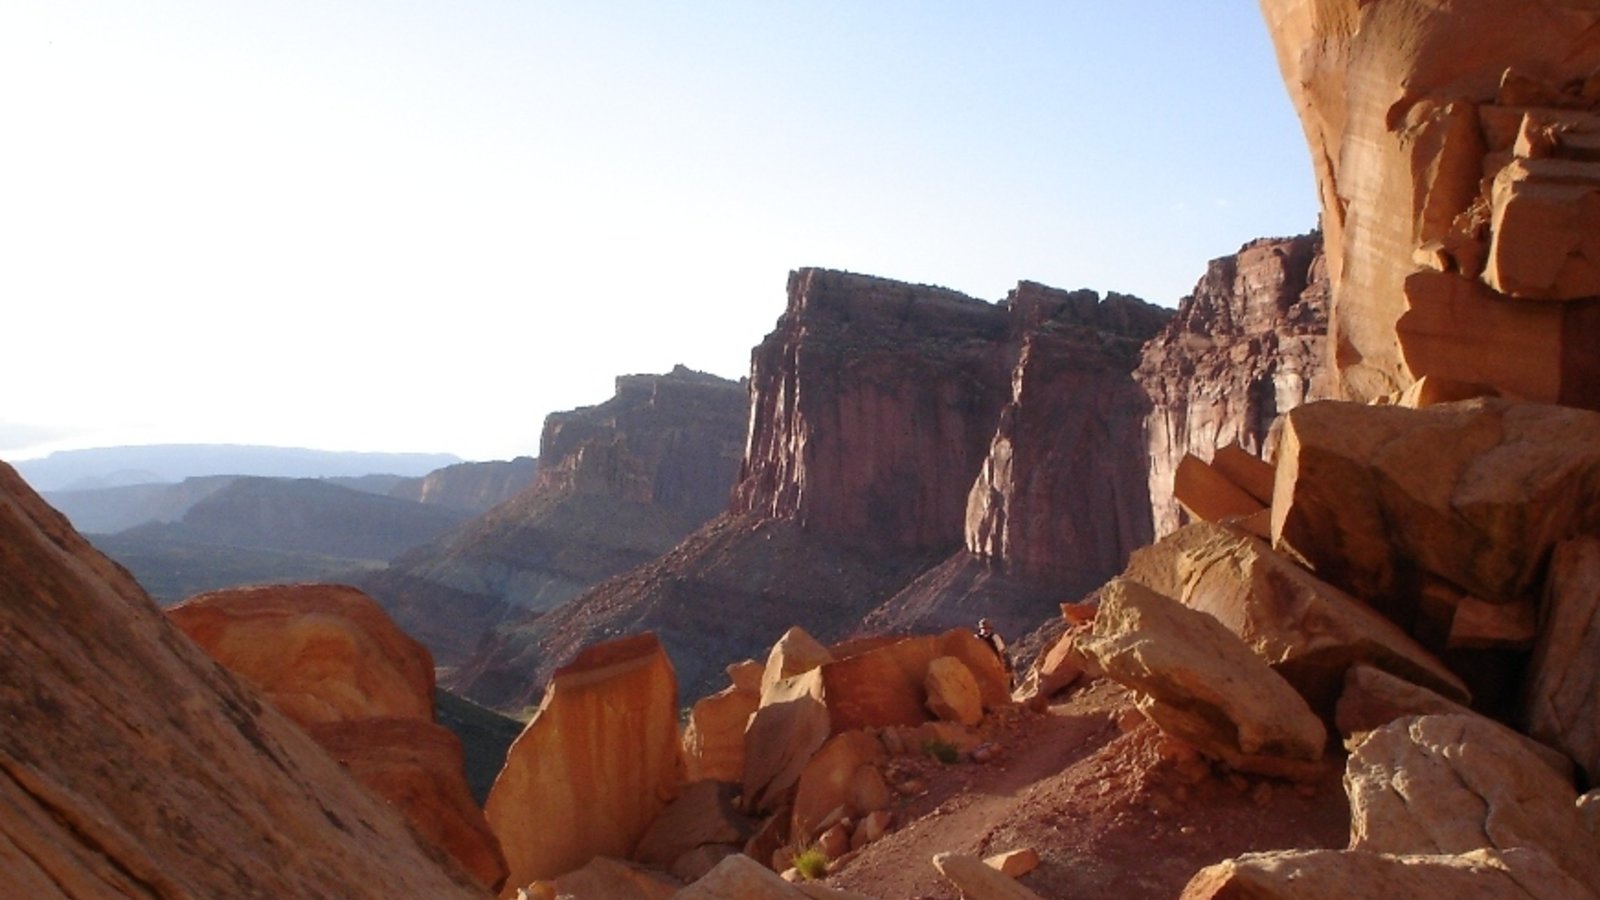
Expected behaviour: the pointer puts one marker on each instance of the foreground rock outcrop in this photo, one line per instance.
(334, 663)
(1248, 345)
(133, 765)
(1458, 188)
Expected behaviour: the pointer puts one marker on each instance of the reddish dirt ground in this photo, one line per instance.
(1111, 813)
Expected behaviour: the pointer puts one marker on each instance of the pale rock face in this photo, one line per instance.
(713, 741)
(979, 881)
(796, 652)
(1245, 347)
(953, 692)
(1309, 631)
(791, 724)
(1562, 690)
(1475, 493)
(114, 720)
(1340, 874)
(1202, 684)
(600, 757)
(1453, 146)
(321, 653)
(1454, 784)
(1372, 698)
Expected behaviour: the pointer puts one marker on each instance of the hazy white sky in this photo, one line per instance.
(395, 225)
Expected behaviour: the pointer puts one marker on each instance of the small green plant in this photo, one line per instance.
(943, 751)
(811, 863)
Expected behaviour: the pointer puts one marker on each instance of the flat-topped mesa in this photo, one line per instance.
(1454, 144)
(1059, 496)
(1248, 345)
(871, 407)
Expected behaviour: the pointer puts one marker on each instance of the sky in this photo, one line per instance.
(422, 226)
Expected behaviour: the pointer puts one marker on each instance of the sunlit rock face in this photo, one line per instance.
(1059, 496)
(1457, 150)
(872, 405)
(135, 766)
(1247, 346)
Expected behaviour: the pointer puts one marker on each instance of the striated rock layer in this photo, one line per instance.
(131, 765)
(1247, 346)
(1453, 143)
(619, 483)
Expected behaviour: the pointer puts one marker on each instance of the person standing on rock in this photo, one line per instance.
(988, 635)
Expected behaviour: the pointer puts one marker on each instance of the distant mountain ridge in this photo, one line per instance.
(103, 467)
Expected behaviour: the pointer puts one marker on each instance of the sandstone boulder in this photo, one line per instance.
(740, 878)
(825, 787)
(600, 757)
(953, 692)
(796, 652)
(1309, 631)
(606, 879)
(135, 766)
(1200, 683)
(1562, 690)
(1476, 493)
(1208, 495)
(1340, 874)
(791, 725)
(978, 881)
(1014, 863)
(322, 653)
(886, 683)
(1372, 698)
(704, 813)
(1454, 784)
(713, 740)
(1057, 668)
(418, 768)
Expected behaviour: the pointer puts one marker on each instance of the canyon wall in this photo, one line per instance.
(471, 486)
(1457, 151)
(1246, 346)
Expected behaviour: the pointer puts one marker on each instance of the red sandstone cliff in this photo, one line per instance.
(472, 486)
(1248, 345)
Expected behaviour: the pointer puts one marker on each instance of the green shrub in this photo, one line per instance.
(943, 751)
(811, 863)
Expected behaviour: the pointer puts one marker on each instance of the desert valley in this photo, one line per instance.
(1300, 581)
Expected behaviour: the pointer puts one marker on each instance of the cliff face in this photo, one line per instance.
(473, 486)
(1246, 346)
(131, 765)
(1454, 146)
(1059, 496)
(871, 406)
(619, 484)
(874, 407)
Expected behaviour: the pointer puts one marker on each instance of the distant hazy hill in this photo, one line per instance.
(112, 509)
(274, 529)
(113, 466)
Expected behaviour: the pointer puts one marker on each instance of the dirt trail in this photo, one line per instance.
(1110, 813)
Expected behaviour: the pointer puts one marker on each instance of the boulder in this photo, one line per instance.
(1309, 631)
(994, 684)
(1454, 784)
(136, 766)
(713, 740)
(746, 675)
(1373, 698)
(826, 782)
(1589, 811)
(321, 653)
(418, 767)
(883, 686)
(1014, 863)
(1561, 704)
(978, 881)
(875, 825)
(796, 652)
(600, 757)
(1208, 495)
(791, 724)
(1476, 493)
(1245, 470)
(740, 878)
(1339, 874)
(953, 692)
(1200, 683)
(607, 879)
(1057, 668)
(704, 813)
(1478, 625)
